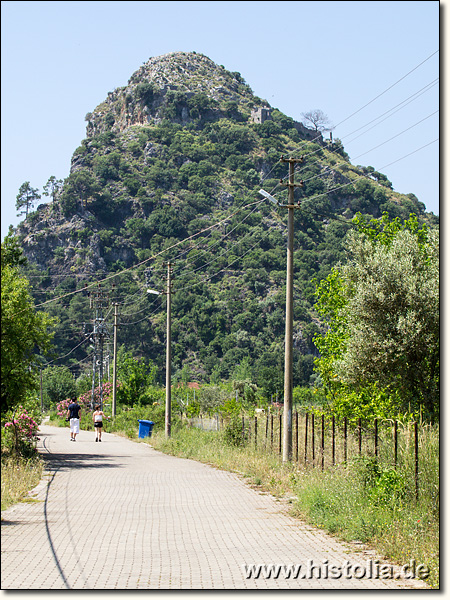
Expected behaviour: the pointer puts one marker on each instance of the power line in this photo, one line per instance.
(392, 110)
(397, 135)
(364, 176)
(387, 89)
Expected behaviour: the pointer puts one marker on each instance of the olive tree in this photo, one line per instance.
(382, 308)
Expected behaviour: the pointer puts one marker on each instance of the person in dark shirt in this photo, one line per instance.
(73, 413)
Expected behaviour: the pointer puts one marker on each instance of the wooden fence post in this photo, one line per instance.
(280, 418)
(333, 440)
(359, 435)
(306, 438)
(296, 436)
(395, 442)
(323, 441)
(312, 439)
(345, 439)
(376, 437)
(416, 459)
(256, 431)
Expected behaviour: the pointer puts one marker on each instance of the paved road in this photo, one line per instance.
(120, 515)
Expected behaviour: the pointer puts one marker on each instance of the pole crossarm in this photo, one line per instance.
(292, 160)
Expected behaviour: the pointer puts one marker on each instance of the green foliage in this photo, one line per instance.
(135, 376)
(235, 434)
(246, 391)
(307, 396)
(23, 328)
(367, 402)
(383, 484)
(20, 429)
(145, 92)
(57, 385)
(53, 187)
(382, 309)
(11, 252)
(26, 198)
(79, 187)
(231, 408)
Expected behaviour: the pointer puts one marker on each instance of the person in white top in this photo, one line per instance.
(97, 417)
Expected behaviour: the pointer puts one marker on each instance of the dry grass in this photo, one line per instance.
(19, 476)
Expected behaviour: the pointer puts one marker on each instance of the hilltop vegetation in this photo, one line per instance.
(175, 152)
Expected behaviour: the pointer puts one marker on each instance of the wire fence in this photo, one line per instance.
(324, 441)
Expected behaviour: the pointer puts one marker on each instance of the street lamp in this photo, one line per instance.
(269, 197)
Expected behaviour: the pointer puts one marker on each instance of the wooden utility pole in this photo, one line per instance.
(114, 403)
(288, 378)
(169, 354)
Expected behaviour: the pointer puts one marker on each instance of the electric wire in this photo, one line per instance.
(141, 320)
(360, 109)
(222, 239)
(364, 176)
(140, 311)
(397, 135)
(65, 355)
(221, 270)
(387, 89)
(298, 170)
(392, 110)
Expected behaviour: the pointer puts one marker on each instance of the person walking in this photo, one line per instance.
(73, 414)
(97, 417)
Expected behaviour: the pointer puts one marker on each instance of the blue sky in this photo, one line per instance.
(60, 60)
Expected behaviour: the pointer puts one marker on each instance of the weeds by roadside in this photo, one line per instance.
(19, 476)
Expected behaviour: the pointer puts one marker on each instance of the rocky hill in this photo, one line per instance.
(183, 147)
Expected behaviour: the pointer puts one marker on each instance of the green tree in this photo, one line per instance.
(79, 187)
(12, 253)
(23, 330)
(382, 310)
(53, 187)
(135, 376)
(26, 198)
(58, 384)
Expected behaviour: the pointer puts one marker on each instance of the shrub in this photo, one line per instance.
(20, 433)
(234, 434)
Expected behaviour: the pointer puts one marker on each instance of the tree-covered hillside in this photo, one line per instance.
(170, 170)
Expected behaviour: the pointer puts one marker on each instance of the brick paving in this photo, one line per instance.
(120, 515)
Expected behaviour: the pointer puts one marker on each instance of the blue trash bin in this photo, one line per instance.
(145, 428)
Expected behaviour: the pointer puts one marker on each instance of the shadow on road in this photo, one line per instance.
(63, 461)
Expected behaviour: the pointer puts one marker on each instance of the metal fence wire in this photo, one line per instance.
(324, 441)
